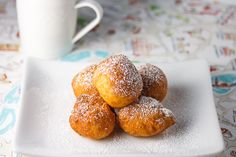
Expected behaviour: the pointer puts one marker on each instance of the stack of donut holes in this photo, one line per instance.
(135, 94)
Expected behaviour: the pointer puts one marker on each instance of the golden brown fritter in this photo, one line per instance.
(154, 82)
(82, 82)
(118, 81)
(145, 117)
(92, 117)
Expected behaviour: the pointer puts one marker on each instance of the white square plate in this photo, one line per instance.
(47, 100)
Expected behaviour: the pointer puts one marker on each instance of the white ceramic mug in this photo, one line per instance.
(47, 27)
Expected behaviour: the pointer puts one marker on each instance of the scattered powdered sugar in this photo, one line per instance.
(148, 101)
(90, 108)
(84, 111)
(160, 121)
(151, 74)
(86, 75)
(126, 78)
(145, 107)
(167, 112)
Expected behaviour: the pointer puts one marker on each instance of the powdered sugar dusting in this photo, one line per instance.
(86, 75)
(126, 78)
(160, 121)
(148, 101)
(151, 74)
(89, 108)
(166, 112)
(145, 107)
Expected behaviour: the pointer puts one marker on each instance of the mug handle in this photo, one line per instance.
(99, 13)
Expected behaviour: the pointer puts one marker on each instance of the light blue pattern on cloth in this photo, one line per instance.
(73, 57)
(7, 113)
(78, 56)
(102, 54)
(5, 123)
(13, 96)
(224, 83)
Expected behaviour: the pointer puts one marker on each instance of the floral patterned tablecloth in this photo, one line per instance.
(146, 31)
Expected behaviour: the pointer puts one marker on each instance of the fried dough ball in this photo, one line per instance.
(154, 82)
(118, 81)
(82, 82)
(92, 117)
(145, 117)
